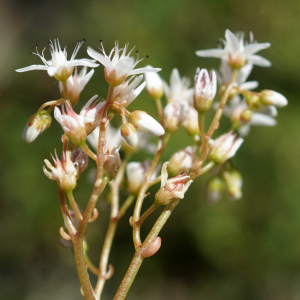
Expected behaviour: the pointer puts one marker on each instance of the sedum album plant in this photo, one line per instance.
(89, 135)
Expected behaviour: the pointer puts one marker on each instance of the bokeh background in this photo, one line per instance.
(246, 250)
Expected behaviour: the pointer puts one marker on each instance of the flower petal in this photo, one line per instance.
(217, 53)
(259, 119)
(259, 61)
(32, 67)
(82, 62)
(253, 48)
(98, 56)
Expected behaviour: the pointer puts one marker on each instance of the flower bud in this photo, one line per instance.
(145, 123)
(174, 115)
(154, 85)
(182, 161)
(128, 132)
(135, 176)
(269, 97)
(215, 189)
(37, 124)
(64, 171)
(152, 248)
(112, 163)
(246, 115)
(191, 123)
(80, 160)
(225, 147)
(171, 188)
(205, 89)
(234, 181)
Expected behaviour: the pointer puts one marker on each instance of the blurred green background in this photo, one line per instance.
(246, 250)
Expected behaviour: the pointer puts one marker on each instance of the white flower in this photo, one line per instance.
(226, 73)
(78, 126)
(178, 91)
(175, 114)
(136, 173)
(59, 66)
(36, 125)
(64, 171)
(269, 97)
(236, 52)
(225, 147)
(118, 66)
(262, 117)
(126, 92)
(154, 84)
(145, 123)
(129, 134)
(76, 84)
(171, 188)
(204, 90)
(182, 160)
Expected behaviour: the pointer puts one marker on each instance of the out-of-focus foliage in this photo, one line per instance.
(244, 250)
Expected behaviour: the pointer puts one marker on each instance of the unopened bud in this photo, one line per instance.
(234, 183)
(215, 189)
(145, 123)
(152, 248)
(128, 132)
(191, 123)
(37, 124)
(154, 85)
(246, 115)
(252, 100)
(80, 160)
(269, 97)
(174, 115)
(112, 163)
(205, 89)
(182, 161)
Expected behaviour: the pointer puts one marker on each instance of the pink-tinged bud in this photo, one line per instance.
(234, 182)
(205, 89)
(36, 125)
(174, 115)
(152, 248)
(269, 97)
(145, 123)
(64, 171)
(171, 188)
(215, 190)
(80, 160)
(112, 163)
(182, 161)
(191, 123)
(72, 124)
(154, 85)
(75, 85)
(225, 147)
(128, 132)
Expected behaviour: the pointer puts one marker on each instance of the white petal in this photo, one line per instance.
(164, 174)
(82, 62)
(98, 56)
(244, 130)
(136, 92)
(52, 70)
(217, 53)
(253, 48)
(243, 74)
(143, 70)
(259, 119)
(33, 67)
(250, 85)
(232, 41)
(84, 80)
(30, 133)
(259, 61)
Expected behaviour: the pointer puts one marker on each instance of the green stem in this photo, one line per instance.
(74, 206)
(146, 214)
(138, 258)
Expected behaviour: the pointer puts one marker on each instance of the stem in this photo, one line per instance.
(125, 205)
(90, 265)
(143, 190)
(201, 125)
(159, 110)
(146, 214)
(110, 234)
(138, 258)
(88, 151)
(74, 205)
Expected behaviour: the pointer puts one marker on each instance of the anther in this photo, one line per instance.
(137, 51)
(83, 40)
(100, 41)
(31, 52)
(147, 56)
